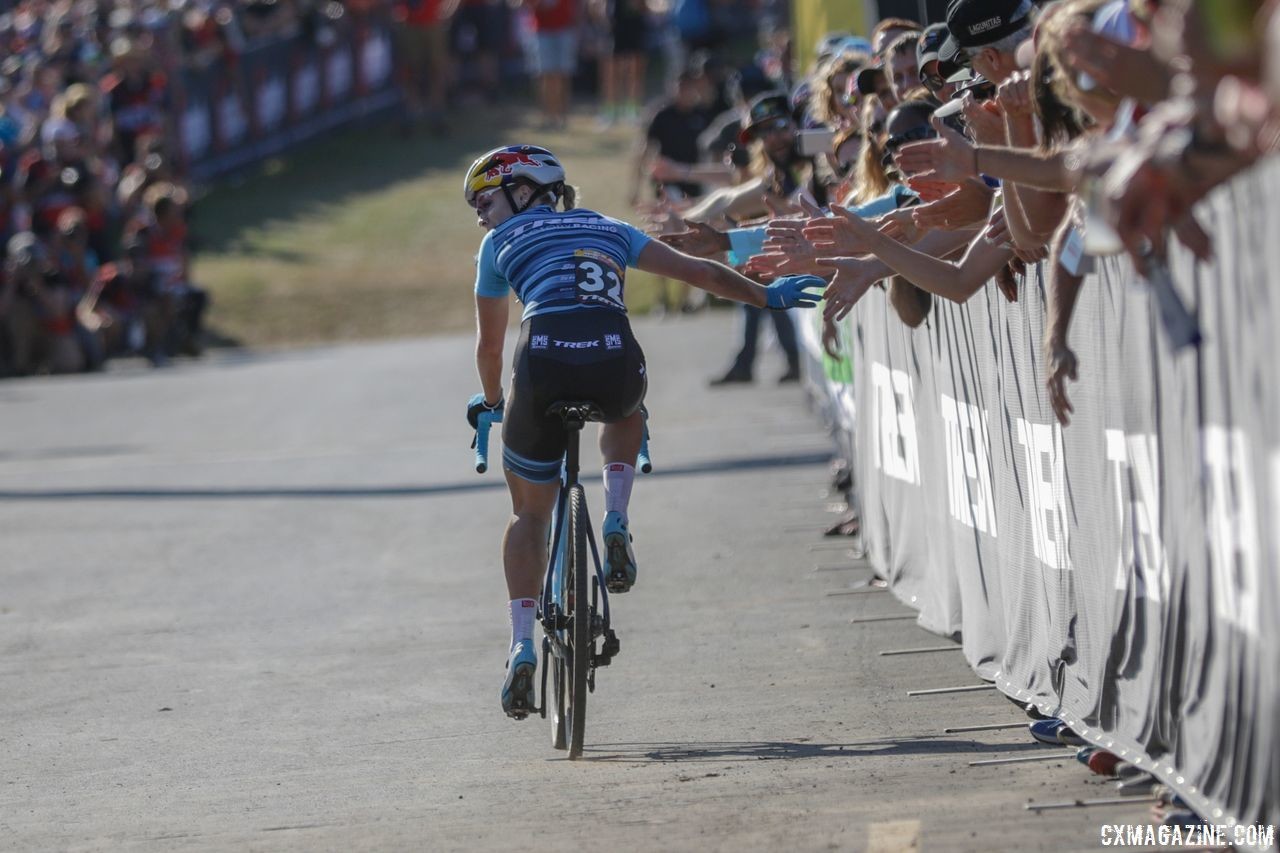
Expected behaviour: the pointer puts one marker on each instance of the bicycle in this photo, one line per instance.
(574, 608)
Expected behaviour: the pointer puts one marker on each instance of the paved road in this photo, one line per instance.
(255, 603)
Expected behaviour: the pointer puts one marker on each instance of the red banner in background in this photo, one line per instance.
(233, 114)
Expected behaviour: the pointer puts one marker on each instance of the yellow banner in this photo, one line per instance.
(812, 19)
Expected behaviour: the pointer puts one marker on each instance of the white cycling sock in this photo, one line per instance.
(618, 477)
(523, 612)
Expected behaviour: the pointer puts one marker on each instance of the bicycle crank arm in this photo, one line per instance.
(546, 665)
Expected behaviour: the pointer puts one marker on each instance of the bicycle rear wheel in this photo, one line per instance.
(577, 578)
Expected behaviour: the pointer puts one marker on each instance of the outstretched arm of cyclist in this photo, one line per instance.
(491, 330)
(714, 277)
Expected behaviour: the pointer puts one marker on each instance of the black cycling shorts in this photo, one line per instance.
(585, 355)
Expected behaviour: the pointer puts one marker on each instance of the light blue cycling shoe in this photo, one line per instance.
(517, 691)
(619, 559)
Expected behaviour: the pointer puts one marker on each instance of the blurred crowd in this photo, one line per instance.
(934, 159)
(92, 208)
(454, 47)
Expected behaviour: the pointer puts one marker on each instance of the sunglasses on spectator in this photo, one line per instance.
(898, 140)
(776, 126)
(933, 81)
(982, 92)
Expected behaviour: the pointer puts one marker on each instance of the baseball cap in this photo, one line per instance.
(977, 23)
(930, 43)
(766, 108)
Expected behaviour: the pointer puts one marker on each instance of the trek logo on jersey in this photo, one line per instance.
(613, 341)
(578, 344)
(504, 162)
(540, 341)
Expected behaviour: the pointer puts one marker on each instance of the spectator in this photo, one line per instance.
(623, 64)
(137, 97)
(555, 25)
(421, 28)
(933, 71)
(829, 105)
(480, 28)
(159, 251)
(902, 71)
(39, 308)
(672, 135)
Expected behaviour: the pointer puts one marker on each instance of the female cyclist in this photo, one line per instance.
(567, 267)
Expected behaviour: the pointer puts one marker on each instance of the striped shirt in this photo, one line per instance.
(559, 261)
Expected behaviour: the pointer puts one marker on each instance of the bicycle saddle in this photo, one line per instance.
(576, 411)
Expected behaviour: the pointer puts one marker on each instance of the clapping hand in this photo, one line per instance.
(697, 239)
(853, 278)
(950, 157)
(844, 234)
(969, 204)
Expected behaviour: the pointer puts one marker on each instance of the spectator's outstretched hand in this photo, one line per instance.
(667, 171)
(831, 342)
(771, 265)
(1062, 366)
(853, 278)
(1015, 98)
(845, 234)
(1124, 70)
(997, 231)
(950, 157)
(931, 190)
(1007, 280)
(899, 225)
(784, 232)
(985, 120)
(697, 239)
(968, 205)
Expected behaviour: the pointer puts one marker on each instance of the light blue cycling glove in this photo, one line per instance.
(477, 405)
(794, 291)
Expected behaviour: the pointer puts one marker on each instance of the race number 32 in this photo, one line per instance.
(597, 282)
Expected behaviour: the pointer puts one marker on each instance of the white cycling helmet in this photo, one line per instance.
(512, 166)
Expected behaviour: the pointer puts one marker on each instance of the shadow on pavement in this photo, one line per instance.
(168, 493)
(797, 749)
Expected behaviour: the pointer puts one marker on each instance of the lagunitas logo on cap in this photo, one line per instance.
(983, 26)
(977, 23)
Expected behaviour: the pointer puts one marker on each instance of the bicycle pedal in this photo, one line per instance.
(608, 649)
(618, 582)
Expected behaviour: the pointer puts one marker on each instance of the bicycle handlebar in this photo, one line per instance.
(642, 460)
(481, 444)
(487, 419)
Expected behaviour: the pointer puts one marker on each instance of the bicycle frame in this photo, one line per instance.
(553, 623)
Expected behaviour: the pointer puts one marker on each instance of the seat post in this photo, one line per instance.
(573, 428)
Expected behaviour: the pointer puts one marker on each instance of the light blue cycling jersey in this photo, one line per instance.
(559, 261)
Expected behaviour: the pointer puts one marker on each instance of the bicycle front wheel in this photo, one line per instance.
(577, 578)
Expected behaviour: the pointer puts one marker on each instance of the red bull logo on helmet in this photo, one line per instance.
(504, 162)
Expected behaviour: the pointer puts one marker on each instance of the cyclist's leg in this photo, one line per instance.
(524, 547)
(620, 441)
(532, 452)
